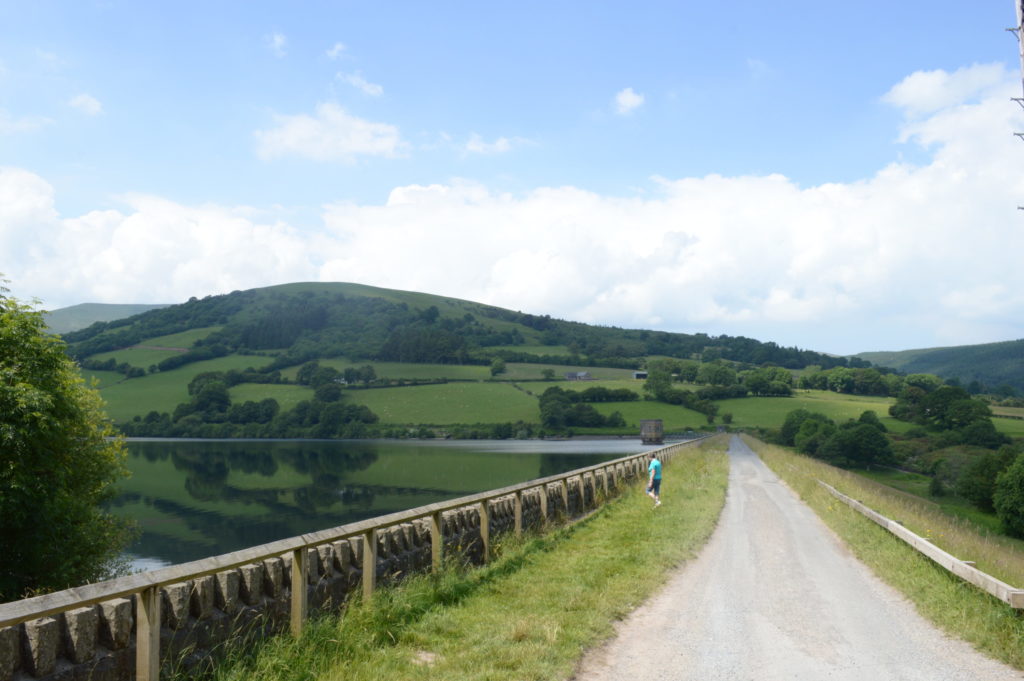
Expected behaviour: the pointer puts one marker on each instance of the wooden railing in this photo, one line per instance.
(145, 588)
(963, 569)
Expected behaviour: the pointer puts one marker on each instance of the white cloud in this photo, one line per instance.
(278, 44)
(336, 50)
(916, 255)
(357, 81)
(477, 145)
(925, 92)
(10, 125)
(627, 101)
(87, 104)
(332, 134)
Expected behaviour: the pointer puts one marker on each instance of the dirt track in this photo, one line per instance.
(775, 595)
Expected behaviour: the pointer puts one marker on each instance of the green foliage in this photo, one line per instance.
(57, 465)
(560, 409)
(498, 366)
(977, 482)
(858, 446)
(1009, 498)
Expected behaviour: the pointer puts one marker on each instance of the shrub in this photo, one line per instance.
(1009, 498)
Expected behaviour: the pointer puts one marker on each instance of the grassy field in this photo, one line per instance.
(154, 350)
(287, 395)
(104, 378)
(918, 485)
(771, 411)
(163, 391)
(530, 614)
(396, 370)
(449, 403)
(954, 605)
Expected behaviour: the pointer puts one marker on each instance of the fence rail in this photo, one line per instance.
(167, 596)
(963, 569)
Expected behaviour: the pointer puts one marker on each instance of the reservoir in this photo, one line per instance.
(198, 498)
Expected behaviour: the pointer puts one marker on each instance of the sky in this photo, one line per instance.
(836, 176)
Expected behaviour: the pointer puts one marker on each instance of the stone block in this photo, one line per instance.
(81, 630)
(251, 588)
(226, 592)
(176, 604)
(10, 653)
(312, 566)
(342, 556)
(409, 533)
(273, 583)
(40, 640)
(396, 538)
(357, 550)
(116, 623)
(326, 555)
(203, 597)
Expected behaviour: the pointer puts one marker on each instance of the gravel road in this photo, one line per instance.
(775, 595)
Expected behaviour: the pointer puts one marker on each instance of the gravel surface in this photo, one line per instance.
(776, 595)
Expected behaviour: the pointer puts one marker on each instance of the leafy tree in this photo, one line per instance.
(497, 366)
(548, 374)
(855, 447)
(871, 418)
(57, 465)
(977, 482)
(1009, 498)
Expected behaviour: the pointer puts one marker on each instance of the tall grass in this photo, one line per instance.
(954, 605)
(529, 614)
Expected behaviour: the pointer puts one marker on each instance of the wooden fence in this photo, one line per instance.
(58, 616)
(963, 569)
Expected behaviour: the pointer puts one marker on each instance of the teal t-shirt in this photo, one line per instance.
(655, 466)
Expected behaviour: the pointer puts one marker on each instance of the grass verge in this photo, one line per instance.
(530, 614)
(952, 604)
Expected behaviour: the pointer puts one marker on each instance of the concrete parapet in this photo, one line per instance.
(40, 641)
(226, 592)
(10, 655)
(116, 623)
(80, 631)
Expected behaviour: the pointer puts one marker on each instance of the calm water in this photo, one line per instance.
(199, 498)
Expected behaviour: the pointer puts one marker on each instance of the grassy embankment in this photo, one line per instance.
(954, 605)
(529, 614)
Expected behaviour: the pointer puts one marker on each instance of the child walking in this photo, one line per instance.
(654, 479)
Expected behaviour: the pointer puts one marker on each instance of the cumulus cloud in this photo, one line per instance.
(332, 134)
(627, 101)
(360, 83)
(278, 44)
(925, 92)
(927, 252)
(87, 104)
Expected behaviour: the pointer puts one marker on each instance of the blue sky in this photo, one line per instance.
(830, 175)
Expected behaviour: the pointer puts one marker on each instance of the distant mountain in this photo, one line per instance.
(990, 364)
(67, 319)
(298, 322)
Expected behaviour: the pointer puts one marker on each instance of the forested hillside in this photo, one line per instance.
(298, 322)
(991, 367)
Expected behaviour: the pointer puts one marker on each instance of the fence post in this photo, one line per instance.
(436, 540)
(147, 634)
(518, 512)
(369, 563)
(485, 529)
(300, 571)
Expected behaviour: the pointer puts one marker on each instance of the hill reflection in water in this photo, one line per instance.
(198, 498)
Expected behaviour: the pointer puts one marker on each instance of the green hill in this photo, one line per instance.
(991, 364)
(431, 360)
(67, 319)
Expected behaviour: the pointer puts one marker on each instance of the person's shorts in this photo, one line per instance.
(655, 486)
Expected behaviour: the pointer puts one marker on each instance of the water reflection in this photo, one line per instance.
(194, 499)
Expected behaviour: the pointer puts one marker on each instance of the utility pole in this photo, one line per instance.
(1018, 31)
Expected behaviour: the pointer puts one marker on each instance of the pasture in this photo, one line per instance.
(287, 395)
(165, 390)
(770, 412)
(448, 403)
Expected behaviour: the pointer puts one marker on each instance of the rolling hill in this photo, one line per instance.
(991, 364)
(68, 319)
